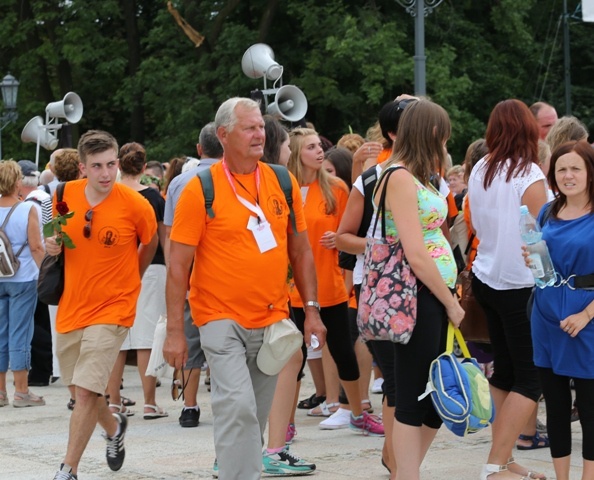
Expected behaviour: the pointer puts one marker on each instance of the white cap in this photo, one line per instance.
(281, 340)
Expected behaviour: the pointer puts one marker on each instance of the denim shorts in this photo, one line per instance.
(17, 306)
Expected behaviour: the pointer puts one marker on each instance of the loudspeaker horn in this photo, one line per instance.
(71, 108)
(34, 130)
(258, 60)
(289, 104)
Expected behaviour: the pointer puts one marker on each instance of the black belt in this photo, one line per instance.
(583, 282)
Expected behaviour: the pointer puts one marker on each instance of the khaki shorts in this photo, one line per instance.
(87, 355)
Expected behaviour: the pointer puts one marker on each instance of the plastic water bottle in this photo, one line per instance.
(541, 264)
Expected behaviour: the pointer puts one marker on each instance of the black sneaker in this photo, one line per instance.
(65, 473)
(189, 417)
(115, 446)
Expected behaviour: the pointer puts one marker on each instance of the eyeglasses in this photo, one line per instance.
(87, 227)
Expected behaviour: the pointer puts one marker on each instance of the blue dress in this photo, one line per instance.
(570, 246)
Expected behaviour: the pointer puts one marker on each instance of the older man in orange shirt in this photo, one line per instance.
(238, 284)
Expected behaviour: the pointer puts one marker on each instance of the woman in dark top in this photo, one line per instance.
(151, 301)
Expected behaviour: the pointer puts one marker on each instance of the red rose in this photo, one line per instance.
(62, 208)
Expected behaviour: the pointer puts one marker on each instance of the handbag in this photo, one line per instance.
(474, 326)
(50, 284)
(388, 300)
(459, 390)
(157, 365)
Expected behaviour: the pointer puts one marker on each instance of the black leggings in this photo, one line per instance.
(338, 338)
(557, 393)
(411, 362)
(383, 354)
(511, 340)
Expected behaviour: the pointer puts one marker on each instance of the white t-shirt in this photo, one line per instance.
(358, 270)
(495, 214)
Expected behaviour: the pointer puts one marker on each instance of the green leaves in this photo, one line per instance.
(348, 56)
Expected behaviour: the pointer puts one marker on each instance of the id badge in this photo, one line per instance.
(263, 234)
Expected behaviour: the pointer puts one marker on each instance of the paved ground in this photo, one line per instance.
(33, 441)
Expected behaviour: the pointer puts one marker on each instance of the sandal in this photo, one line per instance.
(311, 402)
(539, 440)
(323, 409)
(491, 469)
(3, 399)
(157, 412)
(70, 404)
(127, 402)
(28, 399)
(367, 402)
(120, 409)
(528, 474)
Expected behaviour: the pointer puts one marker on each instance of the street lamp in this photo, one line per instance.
(10, 89)
(419, 9)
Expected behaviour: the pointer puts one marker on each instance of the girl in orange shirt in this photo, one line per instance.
(324, 200)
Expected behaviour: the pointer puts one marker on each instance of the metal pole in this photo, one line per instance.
(567, 60)
(420, 58)
(1, 158)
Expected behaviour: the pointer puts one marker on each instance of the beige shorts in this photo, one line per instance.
(87, 355)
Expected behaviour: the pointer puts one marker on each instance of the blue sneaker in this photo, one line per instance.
(285, 463)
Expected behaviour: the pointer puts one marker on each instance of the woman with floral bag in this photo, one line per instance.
(414, 214)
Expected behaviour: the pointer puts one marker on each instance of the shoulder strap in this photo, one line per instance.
(369, 179)
(284, 179)
(205, 178)
(381, 208)
(546, 215)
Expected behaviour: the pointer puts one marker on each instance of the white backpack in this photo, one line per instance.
(9, 262)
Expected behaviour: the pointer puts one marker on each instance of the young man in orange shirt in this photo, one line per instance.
(102, 283)
(238, 284)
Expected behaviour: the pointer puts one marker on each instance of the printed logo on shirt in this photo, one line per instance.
(277, 206)
(109, 236)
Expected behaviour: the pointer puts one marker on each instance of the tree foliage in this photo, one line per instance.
(141, 78)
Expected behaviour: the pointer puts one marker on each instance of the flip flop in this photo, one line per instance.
(157, 412)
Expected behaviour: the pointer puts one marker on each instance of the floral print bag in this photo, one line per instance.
(388, 300)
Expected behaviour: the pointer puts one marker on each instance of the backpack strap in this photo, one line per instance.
(284, 179)
(205, 178)
(12, 209)
(60, 191)
(369, 178)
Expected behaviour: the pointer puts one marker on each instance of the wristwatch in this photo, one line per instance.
(311, 303)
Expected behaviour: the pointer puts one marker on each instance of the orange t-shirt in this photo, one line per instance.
(102, 279)
(384, 155)
(231, 278)
(331, 289)
(475, 241)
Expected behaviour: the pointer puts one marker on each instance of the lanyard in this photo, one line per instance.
(255, 208)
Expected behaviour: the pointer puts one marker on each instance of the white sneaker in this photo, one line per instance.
(377, 385)
(339, 419)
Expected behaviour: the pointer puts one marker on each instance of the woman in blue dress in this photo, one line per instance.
(562, 330)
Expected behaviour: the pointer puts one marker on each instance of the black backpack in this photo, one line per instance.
(347, 260)
(284, 179)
